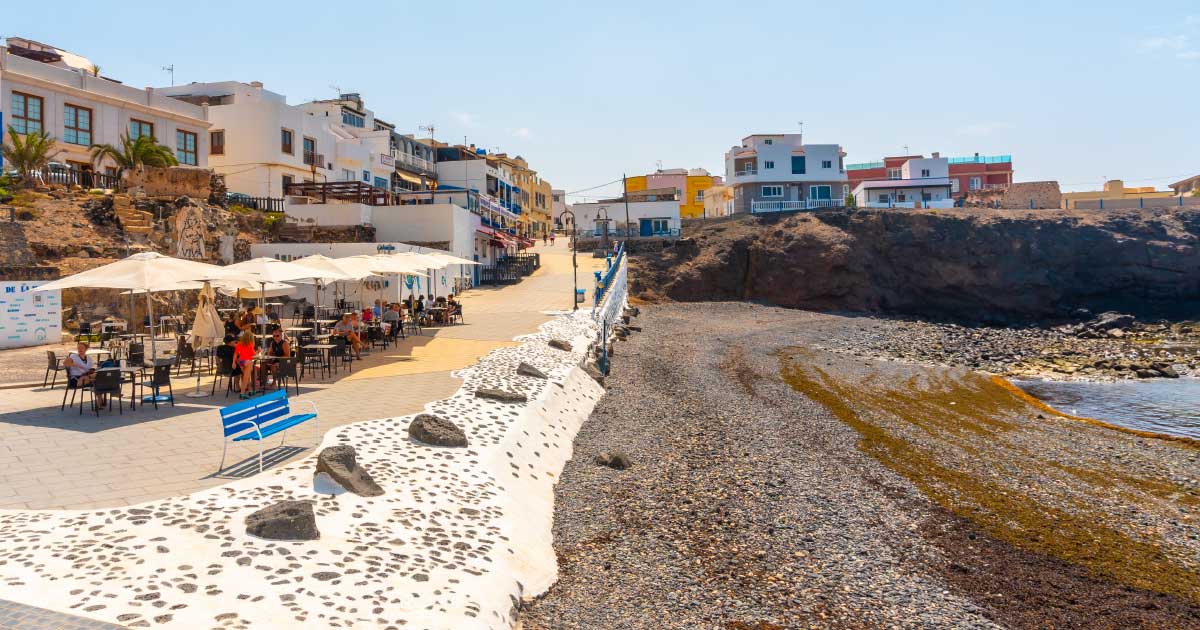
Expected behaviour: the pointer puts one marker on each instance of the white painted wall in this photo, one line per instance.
(112, 105)
(586, 213)
(779, 151)
(914, 168)
(28, 318)
(328, 214)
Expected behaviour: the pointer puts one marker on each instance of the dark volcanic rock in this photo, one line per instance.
(613, 459)
(560, 344)
(978, 264)
(525, 369)
(430, 429)
(341, 463)
(286, 520)
(501, 395)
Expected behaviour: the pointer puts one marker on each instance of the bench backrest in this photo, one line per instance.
(261, 410)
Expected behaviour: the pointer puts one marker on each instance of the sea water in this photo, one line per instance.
(1161, 405)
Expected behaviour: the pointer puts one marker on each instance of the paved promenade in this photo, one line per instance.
(54, 459)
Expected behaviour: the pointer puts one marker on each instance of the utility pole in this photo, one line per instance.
(625, 191)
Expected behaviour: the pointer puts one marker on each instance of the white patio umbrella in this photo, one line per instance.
(144, 272)
(389, 264)
(266, 271)
(323, 270)
(427, 262)
(452, 259)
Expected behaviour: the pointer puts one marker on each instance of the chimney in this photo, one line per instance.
(256, 84)
(936, 155)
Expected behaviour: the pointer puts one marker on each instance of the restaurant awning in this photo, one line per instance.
(412, 179)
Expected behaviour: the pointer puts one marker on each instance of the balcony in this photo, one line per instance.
(412, 162)
(746, 173)
(757, 207)
(314, 159)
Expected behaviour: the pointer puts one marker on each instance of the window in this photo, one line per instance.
(700, 195)
(185, 147)
(894, 173)
(310, 153)
(845, 190)
(884, 198)
(660, 226)
(768, 141)
(900, 197)
(926, 196)
(285, 141)
(288, 180)
(976, 183)
(768, 164)
(216, 143)
(826, 163)
(819, 192)
(954, 184)
(841, 164)
(924, 172)
(352, 119)
(381, 182)
(139, 128)
(77, 125)
(26, 113)
(367, 176)
(772, 191)
(798, 165)
(347, 175)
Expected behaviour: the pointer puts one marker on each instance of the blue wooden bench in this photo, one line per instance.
(259, 418)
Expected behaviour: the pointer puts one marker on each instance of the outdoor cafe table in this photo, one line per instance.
(130, 373)
(324, 322)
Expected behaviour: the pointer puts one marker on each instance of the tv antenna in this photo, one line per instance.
(430, 128)
(658, 164)
(336, 88)
(171, 70)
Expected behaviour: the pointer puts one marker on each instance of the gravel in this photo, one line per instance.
(747, 505)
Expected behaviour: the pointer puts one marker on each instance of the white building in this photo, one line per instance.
(922, 182)
(649, 218)
(47, 88)
(774, 172)
(559, 206)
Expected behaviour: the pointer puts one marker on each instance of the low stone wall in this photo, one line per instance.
(178, 181)
(1019, 196)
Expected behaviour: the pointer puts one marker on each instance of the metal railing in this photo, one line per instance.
(611, 293)
(619, 233)
(981, 159)
(789, 206)
(314, 159)
(749, 171)
(265, 204)
(862, 166)
(71, 176)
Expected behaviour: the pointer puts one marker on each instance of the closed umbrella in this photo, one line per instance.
(206, 329)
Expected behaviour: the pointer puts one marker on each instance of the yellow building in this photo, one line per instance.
(535, 197)
(1114, 190)
(690, 184)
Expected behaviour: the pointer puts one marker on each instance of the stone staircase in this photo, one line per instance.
(134, 221)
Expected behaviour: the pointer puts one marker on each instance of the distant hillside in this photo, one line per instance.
(989, 265)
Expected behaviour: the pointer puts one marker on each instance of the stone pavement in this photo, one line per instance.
(14, 616)
(53, 459)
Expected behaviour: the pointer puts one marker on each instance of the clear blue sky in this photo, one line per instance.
(586, 91)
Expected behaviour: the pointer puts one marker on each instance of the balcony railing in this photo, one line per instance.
(71, 176)
(862, 166)
(749, 171)
(314, 159)
(791, 206)
(981, 159)
(412, 161)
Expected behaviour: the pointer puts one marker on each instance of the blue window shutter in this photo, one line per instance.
(798, 165)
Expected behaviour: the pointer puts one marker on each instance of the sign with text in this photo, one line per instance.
(28, 318)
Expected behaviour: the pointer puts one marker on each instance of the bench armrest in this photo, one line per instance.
(308, 402)
(257, 428)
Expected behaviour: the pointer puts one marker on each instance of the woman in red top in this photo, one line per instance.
(243, 362)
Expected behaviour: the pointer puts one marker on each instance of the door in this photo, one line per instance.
(645, 227)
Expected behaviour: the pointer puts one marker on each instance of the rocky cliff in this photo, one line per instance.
(980, 264)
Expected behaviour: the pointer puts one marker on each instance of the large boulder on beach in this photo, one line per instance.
(560, 344)
(341, 464)
(525, 369)
(613, 459)
(502, 395)
(286, 520)
(430, 429)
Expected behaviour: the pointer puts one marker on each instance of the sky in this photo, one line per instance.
(588, 91)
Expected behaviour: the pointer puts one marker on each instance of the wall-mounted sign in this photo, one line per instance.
(28, 318)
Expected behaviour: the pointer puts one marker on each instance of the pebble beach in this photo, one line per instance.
(772, 482)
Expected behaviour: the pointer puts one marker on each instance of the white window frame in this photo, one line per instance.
(845, 190)
(826, 163)
(954, 184)
(813, 187)
(885, 198)
(763, 192)
(895, 173)
(768, 141)
(924, 172)
(768, 163)
(975, 183)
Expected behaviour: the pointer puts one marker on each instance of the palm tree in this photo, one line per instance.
(30, 152)
(143, 151)
(95, 70)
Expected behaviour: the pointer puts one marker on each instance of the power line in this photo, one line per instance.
(575, 192)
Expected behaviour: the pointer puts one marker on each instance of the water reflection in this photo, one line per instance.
(1161, 405)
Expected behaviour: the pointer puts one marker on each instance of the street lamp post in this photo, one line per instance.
(574, 263)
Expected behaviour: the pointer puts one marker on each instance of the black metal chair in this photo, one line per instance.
(224, 369)
(108, 383)
(341, 354)
(137, 355)
(161, 377)
(75, 388)
(285, 370)
(185, 353)
(312, 358)
(53, 364)
(377, 338)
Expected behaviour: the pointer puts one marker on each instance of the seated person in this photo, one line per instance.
(272, 316)
(378, 309)
(368, 315)
(243, 363)
(246, 321)
(345, 329)
(231, 325)
(391, 317)
(279, 347)
(453, 306)
(81, 369)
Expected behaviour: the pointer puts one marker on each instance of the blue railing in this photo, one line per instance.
(605, 281)
(981, 159)
(863, 166)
